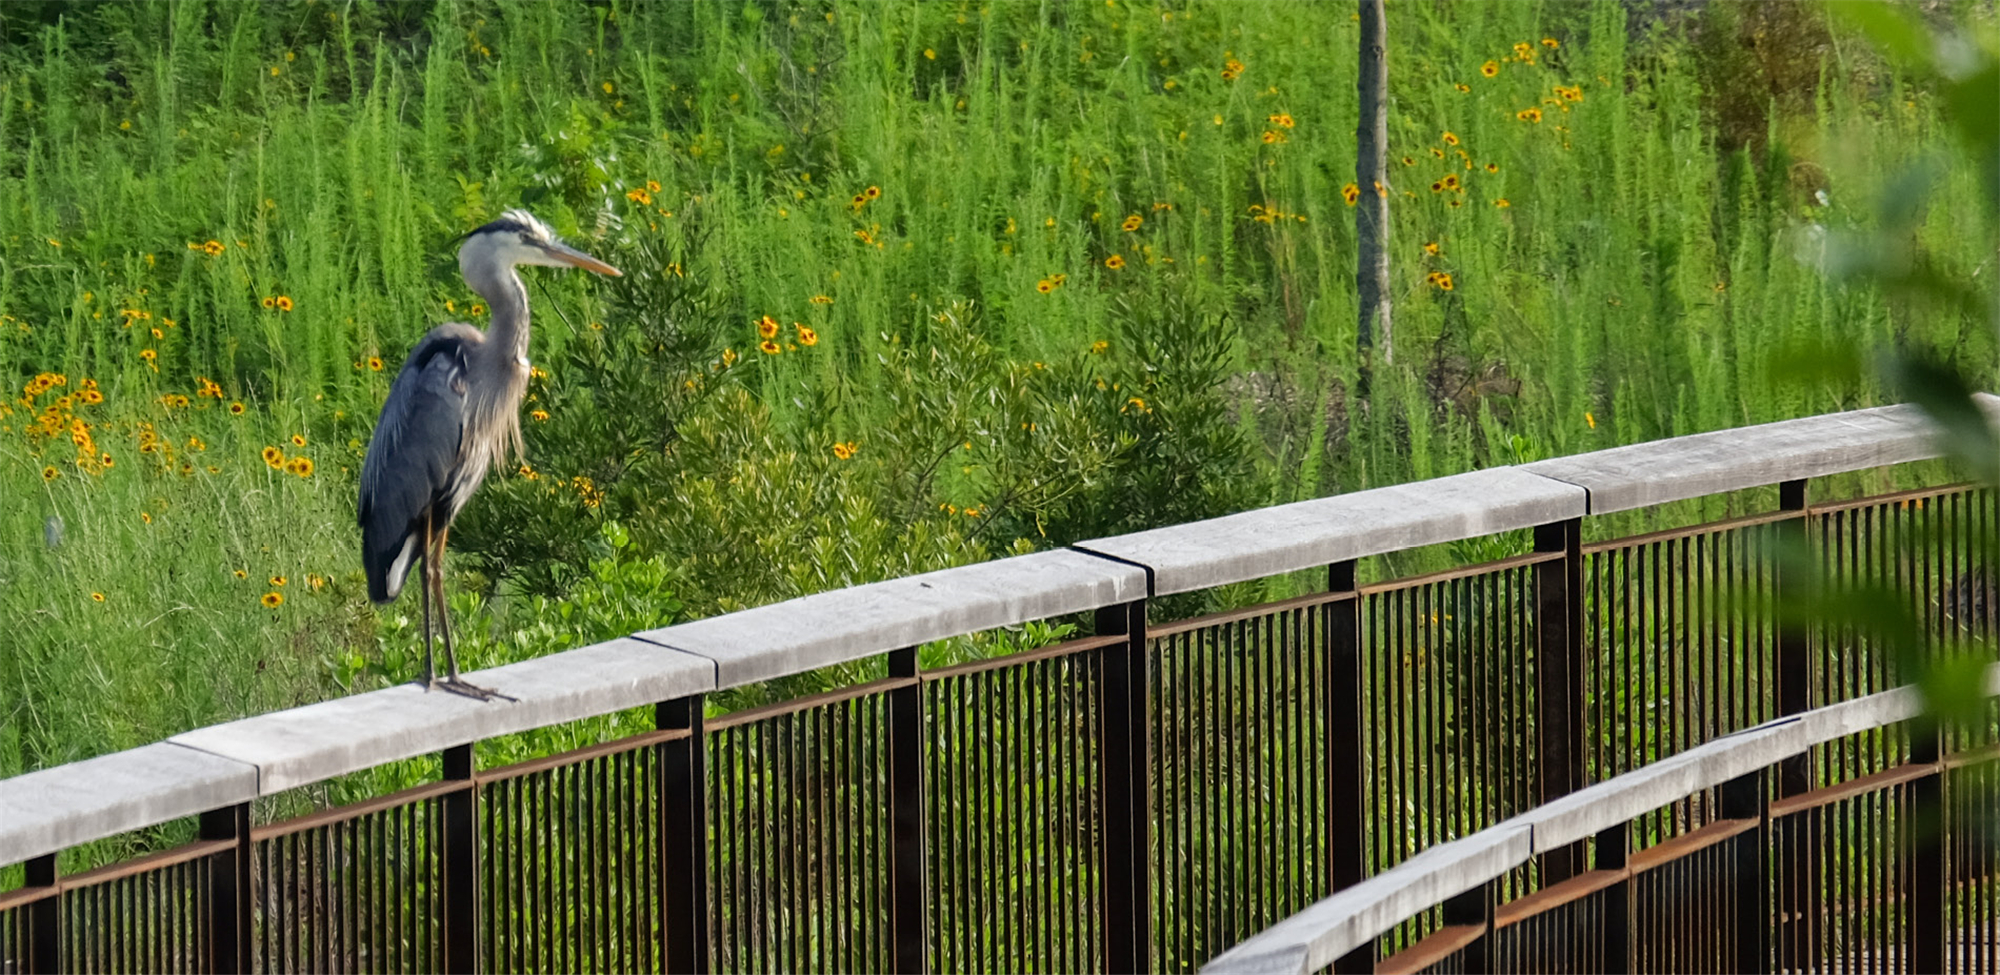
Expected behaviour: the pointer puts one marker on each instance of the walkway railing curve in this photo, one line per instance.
(1140, 798)
(1704, 900)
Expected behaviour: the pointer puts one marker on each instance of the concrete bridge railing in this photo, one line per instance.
(1139, 798)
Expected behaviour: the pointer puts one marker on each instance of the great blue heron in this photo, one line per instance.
(453, 412)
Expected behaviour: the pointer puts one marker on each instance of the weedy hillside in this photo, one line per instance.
(908, 286)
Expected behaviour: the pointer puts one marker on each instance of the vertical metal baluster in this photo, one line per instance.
(908, 910)
(1558, 663)
(953, 878)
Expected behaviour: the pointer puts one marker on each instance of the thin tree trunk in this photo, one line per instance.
(1371, 216)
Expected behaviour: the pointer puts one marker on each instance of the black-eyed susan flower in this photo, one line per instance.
(1529, 115)
(1437, 153)
(1492, 167)
(104, 460)
(1131, 223)
(1045, 286)
(844, 451)
(97, 597)
(1462, 86)
(270, 302)
(1115, 261)
(272, 600)
(284, 302)
(374, 363)
(1450, 138)
(767, 327)
(1407, 161)
(1502, 203)
(212, 248)
(807, 337)
(1454, 203)
(236, 409)
(93, 397)
(1444, 282)
(1490, 68)
(300, 466)
(639, 196)
(1450, 182)
(873, 192)
(539, 416)
(1437, 186)
(1431, 248)
(820, 300)
(1351, 193)
(298, 440)
(1550, 43)
(50, 473)
(1271, 137)
(274, 458)
(652, 186)
(146, 516)
(769, 347)
(148, 354)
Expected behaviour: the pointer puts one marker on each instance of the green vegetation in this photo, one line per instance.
(908, 286)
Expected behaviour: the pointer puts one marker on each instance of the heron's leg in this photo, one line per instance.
(453, 682)
(444, 616)
(430, 664)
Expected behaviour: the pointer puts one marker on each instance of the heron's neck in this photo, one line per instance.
(507, 295)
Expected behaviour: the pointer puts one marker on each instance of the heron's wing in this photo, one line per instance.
(414, 454)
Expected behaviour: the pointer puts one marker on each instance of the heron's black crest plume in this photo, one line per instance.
(517, 221)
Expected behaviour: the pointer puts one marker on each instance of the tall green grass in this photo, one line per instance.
(1644, 269)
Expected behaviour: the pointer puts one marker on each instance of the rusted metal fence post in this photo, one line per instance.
(1123, 748)
(1928, 870)
(1474, 907)
(1559, 677)
(1797, 918)
(906, 817)
(229, 892)
(683, 833)
(1745, 797)
(44, 919)
(1794, 646)
(461, 864)
(1346, 833)
(1612, 846)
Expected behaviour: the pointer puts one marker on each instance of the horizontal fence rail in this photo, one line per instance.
(1145, 797)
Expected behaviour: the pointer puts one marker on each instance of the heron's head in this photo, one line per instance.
(518, 238)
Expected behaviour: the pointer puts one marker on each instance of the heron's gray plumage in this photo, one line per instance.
(416, 460)
(455, 407)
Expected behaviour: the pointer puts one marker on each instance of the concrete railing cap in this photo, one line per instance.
(55, 808)
(1679, 468)
(846, 624)
(1307, 534)
(303, 745)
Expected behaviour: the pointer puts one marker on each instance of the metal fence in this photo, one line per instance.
(1145, 797)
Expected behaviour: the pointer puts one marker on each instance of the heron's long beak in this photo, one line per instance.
(572, 256)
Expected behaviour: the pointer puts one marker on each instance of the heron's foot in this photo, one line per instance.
(464, 688)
